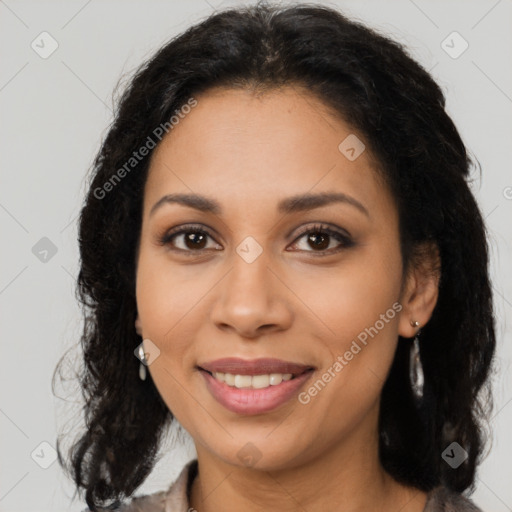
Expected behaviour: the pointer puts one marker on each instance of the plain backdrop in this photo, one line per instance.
(56, 108)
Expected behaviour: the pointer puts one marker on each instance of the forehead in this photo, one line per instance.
(235, 144)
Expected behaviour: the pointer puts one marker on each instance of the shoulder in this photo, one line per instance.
(175, 499)
(442, 499)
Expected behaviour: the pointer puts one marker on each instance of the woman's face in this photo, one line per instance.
(254, 285)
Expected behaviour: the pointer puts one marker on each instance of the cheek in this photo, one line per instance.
(359, 310)
(349, 385)
(351, 297)
(163, 301)
(166, 295)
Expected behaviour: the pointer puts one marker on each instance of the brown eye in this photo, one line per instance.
(322, 239)
(319, 241)
(188, 239)
(195, 240)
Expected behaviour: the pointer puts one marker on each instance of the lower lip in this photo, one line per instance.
(254, 401)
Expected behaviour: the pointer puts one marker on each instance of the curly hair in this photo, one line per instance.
(372, 83)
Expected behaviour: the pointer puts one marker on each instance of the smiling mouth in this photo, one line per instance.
(251, 381)
(253, 386)
(261, 373)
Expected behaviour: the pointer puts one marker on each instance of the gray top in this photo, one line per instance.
(176, 498)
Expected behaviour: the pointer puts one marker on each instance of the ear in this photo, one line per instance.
(421, 289)
(138, 325)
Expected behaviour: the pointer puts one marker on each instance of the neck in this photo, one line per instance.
(348, 475)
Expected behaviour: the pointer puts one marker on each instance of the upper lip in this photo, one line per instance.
(237, 366)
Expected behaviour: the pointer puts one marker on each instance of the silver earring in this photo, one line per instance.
(415, 367)
(142, 367)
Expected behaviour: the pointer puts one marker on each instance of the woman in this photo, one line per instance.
(279, 227)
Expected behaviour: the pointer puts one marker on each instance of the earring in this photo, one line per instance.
(142, 367)
(415, 367)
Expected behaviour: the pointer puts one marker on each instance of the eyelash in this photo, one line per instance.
(344, 240)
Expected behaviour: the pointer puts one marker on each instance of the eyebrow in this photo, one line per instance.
(298, 203)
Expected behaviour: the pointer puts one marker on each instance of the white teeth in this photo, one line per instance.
(243, 381)
(229, 379)
(252, 381)
(275, 379)
(260, 381)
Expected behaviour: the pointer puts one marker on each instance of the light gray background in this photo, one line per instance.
(54, 112)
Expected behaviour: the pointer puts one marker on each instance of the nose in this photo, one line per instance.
(252, 300)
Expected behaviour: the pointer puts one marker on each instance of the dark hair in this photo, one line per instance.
(370, 82)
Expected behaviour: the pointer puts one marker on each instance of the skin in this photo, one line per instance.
(248, 152)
